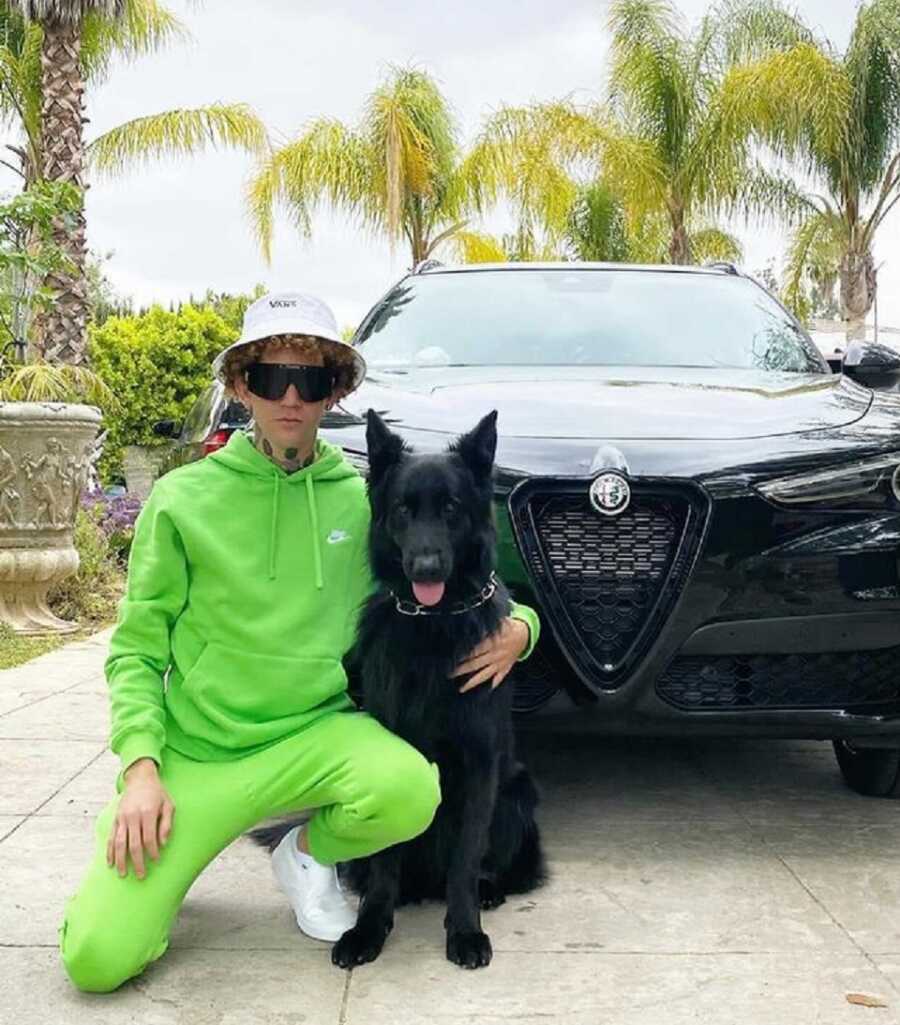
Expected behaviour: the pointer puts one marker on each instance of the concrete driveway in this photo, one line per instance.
(715, 882)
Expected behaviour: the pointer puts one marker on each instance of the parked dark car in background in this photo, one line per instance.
(208, 426)
(706, 515)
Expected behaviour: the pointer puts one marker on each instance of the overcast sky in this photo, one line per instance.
(180, 226)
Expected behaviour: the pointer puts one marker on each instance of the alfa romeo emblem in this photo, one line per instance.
(610, 494)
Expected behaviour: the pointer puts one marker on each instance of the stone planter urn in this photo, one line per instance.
(140, 463)
(45, 458)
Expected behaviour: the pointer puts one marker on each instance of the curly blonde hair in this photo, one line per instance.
(336, 357)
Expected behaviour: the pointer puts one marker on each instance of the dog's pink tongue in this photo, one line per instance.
(428, 594)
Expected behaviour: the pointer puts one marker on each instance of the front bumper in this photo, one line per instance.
(741, 626)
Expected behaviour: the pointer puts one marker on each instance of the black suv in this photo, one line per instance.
(705, 514)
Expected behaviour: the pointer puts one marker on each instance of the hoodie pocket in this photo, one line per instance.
(245, 698)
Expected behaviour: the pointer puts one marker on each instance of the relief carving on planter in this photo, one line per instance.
(9, 496)
(47, 452)
(43, 491)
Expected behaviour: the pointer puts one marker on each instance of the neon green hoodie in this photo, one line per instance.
(244, 588)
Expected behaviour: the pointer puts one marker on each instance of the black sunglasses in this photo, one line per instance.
(271, 380)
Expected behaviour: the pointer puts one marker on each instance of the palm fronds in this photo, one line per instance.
(747, 30)
(597, 228)
(399, 171)
(144, 28)
(835, 115)
(476, 247)
(708, 244)
(872, 65)
(816, 243)
(176, 133)
(797, 101)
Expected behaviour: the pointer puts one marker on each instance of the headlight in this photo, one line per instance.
(869, 480)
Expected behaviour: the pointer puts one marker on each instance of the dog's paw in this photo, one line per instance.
(358, 945)
(469, 949)
(490, 895)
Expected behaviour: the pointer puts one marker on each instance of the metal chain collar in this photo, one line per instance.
(412, 608)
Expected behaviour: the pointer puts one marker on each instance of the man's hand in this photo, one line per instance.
(495, 656)
(144, 806)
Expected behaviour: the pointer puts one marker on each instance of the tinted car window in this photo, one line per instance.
(578, 316)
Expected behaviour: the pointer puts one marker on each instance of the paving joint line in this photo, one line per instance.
(50, 740)
(345, 999)
(760, 834)
(497, 950)
(59, 789)
(836, 920)
(10, 833)
(46, 697)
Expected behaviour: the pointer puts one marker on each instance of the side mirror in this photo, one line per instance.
(872, 363)
(167, 428)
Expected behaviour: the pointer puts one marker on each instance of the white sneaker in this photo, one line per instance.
(320, 906)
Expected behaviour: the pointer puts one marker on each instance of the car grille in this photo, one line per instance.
(535, 680)
(835, 679)
(608, 583)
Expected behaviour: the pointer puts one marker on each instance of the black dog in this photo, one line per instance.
(432, 546)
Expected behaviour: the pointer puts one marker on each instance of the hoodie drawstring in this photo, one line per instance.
(314, 522)
(314, 516)
(274, 531)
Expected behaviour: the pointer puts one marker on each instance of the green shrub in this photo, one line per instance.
(156, 364)
(230, 306)
(116, 516)
(90, 596)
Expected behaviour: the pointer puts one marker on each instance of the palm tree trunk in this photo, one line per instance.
(857, 290)
(24, 319)
(60, 331)
(418, 241)
(680, 245)
(419, 248)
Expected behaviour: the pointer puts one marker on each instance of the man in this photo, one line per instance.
(246, 575)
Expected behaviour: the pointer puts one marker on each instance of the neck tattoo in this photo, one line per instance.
(289, 459)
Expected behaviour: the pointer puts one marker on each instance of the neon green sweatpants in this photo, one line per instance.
(370, 788)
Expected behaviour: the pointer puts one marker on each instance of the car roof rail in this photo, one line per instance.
(424, 266)
(723, 265)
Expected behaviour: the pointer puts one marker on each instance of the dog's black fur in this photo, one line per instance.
(432, 521)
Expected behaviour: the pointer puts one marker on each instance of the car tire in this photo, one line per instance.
(871, 771)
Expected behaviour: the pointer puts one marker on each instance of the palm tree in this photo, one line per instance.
(598, 229)
(400, 172)
(678, 157)
(49, 51)
(838, 116)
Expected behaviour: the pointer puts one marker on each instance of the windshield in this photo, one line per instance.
(590, 317)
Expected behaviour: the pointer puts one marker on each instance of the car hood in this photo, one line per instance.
(639, 403)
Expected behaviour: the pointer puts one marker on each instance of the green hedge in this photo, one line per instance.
(157, 364)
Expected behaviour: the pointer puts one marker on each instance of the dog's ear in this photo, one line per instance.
(385, 448)
(478, 447)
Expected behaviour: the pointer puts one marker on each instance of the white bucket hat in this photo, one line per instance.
(290, 313)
